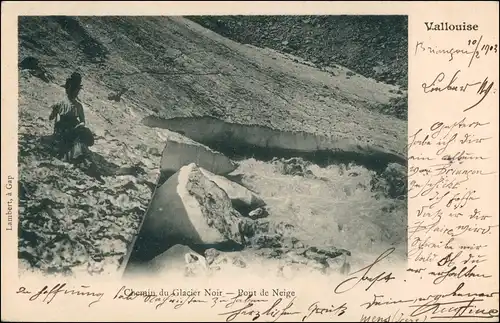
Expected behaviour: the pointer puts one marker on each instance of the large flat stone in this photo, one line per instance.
(177, 154)
(188, 209)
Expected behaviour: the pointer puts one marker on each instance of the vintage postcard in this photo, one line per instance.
(250, 161)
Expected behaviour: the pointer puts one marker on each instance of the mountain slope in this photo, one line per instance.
(374, 46)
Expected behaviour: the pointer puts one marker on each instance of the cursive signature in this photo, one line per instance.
(451, 52)
(275, 311)
(455, 272)
(483, 90)
(315, 309)
(47, 295)
(237, 299)
(439, 80)
(440, 84)
(454, 309)
(353, 281)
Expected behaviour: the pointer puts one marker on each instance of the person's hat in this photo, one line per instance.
(74, 81)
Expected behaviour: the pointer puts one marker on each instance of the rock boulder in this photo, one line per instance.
(178, 257)
(188, 209)
(243, 199)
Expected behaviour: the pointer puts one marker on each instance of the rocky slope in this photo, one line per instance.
(374, 46)
(83, 220)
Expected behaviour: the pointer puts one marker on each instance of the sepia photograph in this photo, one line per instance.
(211, 144)
(226, 161)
